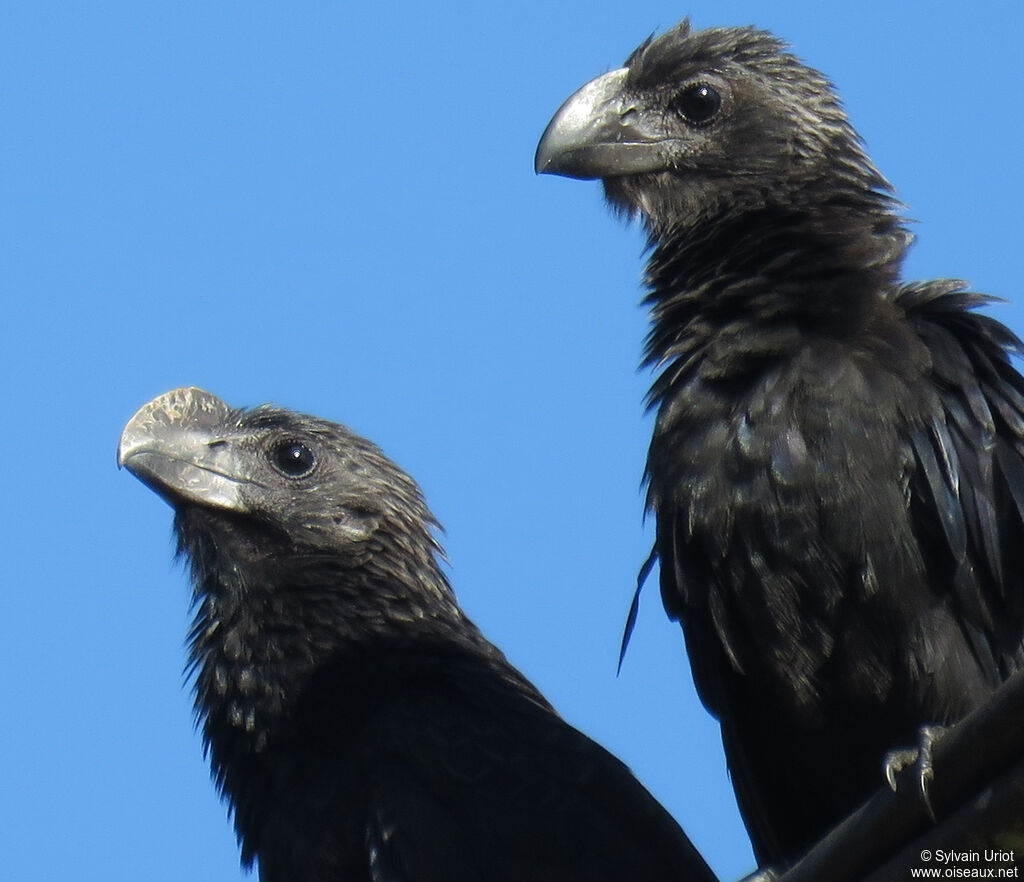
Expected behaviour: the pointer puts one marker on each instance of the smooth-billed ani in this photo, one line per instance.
(359, 726)
(836, 468)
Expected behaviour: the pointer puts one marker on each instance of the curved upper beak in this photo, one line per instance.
(177, 445)
(601, 131)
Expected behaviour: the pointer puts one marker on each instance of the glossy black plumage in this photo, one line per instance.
(837, 467)
(358, 724)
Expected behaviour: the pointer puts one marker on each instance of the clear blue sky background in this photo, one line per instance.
(333, 207)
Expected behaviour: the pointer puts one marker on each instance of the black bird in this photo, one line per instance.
(837, 466)
(358, 724)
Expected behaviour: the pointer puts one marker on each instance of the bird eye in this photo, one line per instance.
(293, 458)
(698, 103)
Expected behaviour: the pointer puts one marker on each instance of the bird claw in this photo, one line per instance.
(895, 762)
(921, 759)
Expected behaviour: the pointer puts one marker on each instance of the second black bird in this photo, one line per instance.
(358, 724)
(837, 466)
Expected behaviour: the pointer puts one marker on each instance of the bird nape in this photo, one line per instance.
(358, 724)
(836, 467)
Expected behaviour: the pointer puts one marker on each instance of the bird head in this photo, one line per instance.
(701, 121)
(314, 484)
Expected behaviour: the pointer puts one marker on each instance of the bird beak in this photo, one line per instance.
(600, 132)
(176, 446)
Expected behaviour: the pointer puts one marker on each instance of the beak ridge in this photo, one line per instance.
(600, 132)
(588, 118)
(171, 445)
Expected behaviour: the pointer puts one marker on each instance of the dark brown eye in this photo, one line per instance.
(698, 103)
(293, 458)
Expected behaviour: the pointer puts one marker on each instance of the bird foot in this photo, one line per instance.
(765, 874)
(920, 758)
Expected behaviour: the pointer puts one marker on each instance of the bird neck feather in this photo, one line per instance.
(759, 283)
(268, 618)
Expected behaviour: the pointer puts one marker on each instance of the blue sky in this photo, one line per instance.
(333, 208)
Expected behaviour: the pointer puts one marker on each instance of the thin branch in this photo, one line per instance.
(977, 793)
